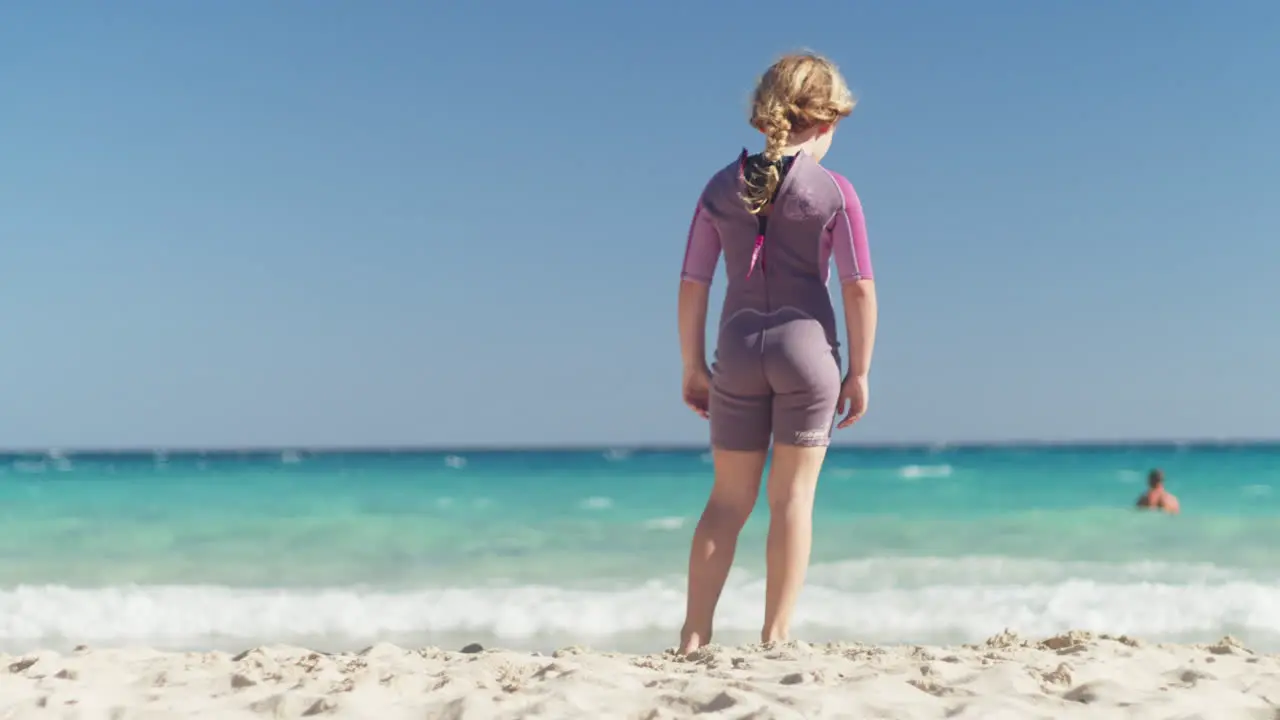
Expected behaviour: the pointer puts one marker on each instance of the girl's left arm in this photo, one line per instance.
(692, 312)
(701, 254)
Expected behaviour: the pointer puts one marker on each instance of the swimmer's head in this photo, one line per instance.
(798, 100)
(1155, 479)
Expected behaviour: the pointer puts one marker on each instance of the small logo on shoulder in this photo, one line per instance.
(800, 205)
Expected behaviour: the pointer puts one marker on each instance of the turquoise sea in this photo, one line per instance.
(543, 549)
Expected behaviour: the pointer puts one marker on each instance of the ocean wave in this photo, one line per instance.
(918, 573)
(1150, 600)
(31, 467)
(664, 523)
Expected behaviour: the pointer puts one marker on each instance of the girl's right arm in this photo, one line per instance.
(860, 317)
(858, 290)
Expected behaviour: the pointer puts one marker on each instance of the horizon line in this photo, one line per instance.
(642, 447)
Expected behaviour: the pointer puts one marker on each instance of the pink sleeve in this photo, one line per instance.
(702, 249)
(847, 234)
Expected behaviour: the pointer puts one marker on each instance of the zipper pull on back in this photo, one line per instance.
(755, 255)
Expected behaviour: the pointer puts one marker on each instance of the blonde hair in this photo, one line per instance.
(797, 93)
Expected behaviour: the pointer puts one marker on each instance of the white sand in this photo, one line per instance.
(1069, 676)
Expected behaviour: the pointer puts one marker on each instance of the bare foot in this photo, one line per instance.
(691, 640)
(775, 635)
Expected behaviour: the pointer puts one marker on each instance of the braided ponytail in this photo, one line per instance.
(795, 94)
(762, 182)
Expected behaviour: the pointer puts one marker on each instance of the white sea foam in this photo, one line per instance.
(855, 600)
(597, 503)
(457, 462)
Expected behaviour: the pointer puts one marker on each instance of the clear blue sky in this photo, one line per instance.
(249, 223)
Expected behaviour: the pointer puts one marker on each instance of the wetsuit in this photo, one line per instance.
(776, 371)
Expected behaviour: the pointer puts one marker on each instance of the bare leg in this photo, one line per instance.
(737, 485)
(793, 479)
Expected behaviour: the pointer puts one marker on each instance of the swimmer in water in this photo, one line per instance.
(1156, 497)
(779, 218)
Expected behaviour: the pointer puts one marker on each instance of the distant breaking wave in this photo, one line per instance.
(914, 472)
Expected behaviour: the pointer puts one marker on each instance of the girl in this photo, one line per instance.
(778, 217)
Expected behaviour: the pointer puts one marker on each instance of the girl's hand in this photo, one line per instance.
(696, 389)
(854, 393)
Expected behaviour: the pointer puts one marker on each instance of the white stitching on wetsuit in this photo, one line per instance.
(848, 224)
(771, 313)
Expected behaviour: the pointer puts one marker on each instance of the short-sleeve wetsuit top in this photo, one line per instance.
(776, 372)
